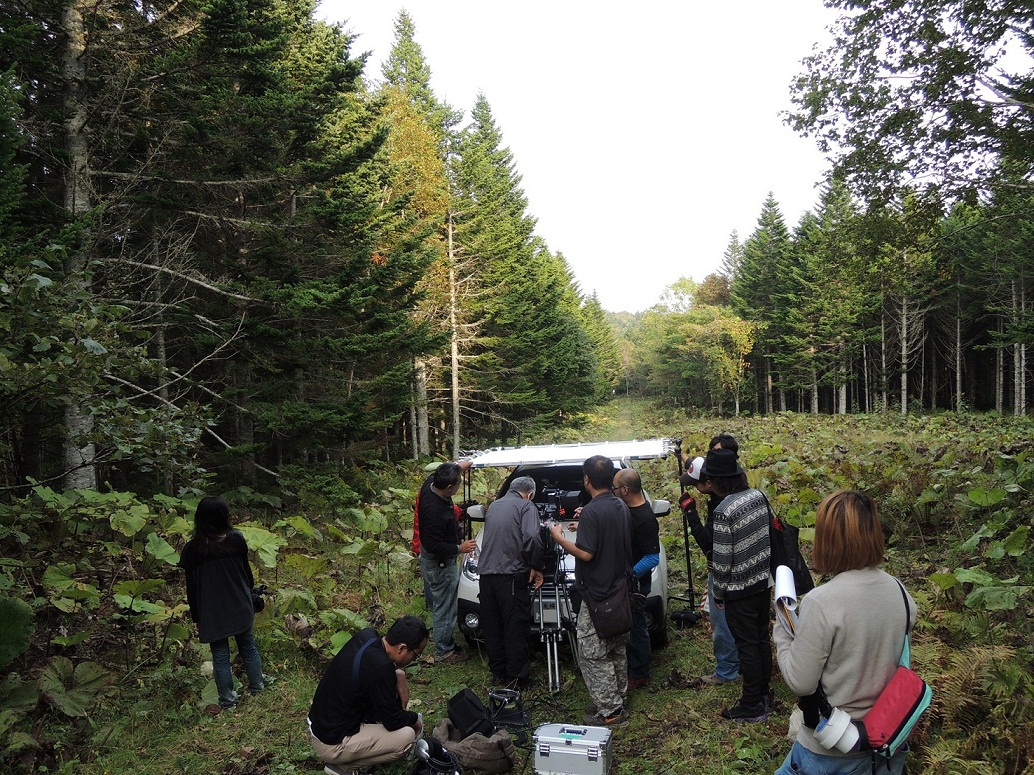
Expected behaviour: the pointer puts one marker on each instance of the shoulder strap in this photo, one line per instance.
(906, 650)
(355, 664)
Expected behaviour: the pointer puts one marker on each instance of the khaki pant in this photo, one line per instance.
(372, 744)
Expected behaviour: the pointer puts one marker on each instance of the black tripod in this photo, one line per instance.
(552, 610)
(686, 617)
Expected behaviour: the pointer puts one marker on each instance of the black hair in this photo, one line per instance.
(726, 440)
(446, 475)
(600, 470)
(727, 485)
(212, 518)
(409, 630)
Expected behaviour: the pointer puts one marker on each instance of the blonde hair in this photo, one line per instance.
(848, 535)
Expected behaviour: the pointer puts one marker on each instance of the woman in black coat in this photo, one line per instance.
(219, 583)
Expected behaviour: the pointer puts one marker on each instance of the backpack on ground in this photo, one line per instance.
(476, 753)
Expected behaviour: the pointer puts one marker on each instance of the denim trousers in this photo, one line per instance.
(221, 666)
(444, 578)
(801, 761)
(639, 637)
(725, 654)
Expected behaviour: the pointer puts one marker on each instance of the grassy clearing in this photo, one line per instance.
(956, 496)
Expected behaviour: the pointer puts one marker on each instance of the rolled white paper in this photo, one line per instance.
(785, 589)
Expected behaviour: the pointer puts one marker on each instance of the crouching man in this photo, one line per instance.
(358, 715)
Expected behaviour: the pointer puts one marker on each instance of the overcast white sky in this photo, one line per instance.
(645, 133)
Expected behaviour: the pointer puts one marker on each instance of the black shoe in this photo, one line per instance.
(747, 713)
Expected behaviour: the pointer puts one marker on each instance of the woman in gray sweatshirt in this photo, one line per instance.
(850, 633)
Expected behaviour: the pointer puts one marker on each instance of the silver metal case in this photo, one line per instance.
(568, 749)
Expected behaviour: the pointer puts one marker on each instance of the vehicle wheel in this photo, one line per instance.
(659, 638)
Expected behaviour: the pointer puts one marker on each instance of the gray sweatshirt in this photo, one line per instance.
(850, 636)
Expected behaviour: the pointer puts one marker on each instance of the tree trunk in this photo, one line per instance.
(1019, 351)
(423, 441)
(455, 346)
(884, 388)
(842, 387)
(866, 396)
(814, 390)
(80, 453)
(999, 373)
(903, 328)
(958, 355)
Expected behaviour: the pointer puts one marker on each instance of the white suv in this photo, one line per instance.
(557, 470)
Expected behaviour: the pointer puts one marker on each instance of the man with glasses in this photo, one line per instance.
(646, 554)
(358, 716)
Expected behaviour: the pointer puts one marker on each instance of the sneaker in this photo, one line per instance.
(746, 713)
(636, 683)
(716, 680)
(454, 657)
(335, 769)
(617, 719)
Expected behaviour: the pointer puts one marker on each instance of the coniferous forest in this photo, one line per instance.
(236, 260)
(227, 247)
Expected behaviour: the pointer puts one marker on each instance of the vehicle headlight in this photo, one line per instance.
(470, 565)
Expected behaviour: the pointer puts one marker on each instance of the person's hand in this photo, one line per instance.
(557, 531)
(687, 503)
(465, 463)
(578, 513)
(536, 578)
(468, 546)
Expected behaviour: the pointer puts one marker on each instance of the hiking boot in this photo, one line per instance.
(454, 657)
(615, 720)
(636, 683)
(748, 714)
(716, 680)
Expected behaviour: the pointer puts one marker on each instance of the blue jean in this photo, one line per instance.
(725, 653)
(221, 667)
(801, 760)
(444, 578)
(639, 637)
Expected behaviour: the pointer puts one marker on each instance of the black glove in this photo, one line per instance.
(687, 503)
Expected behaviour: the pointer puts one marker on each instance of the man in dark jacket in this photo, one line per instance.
(509, 567)
(441, 543)
(358, 715)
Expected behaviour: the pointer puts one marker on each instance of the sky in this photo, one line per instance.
(645, 133)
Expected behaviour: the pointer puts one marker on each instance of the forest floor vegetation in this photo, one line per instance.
(111, 678)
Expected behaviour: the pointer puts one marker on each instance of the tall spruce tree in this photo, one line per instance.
(422, 133)
(756, 294)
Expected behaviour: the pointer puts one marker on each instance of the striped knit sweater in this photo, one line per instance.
(742, 555)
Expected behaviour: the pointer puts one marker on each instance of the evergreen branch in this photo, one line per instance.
(209, 431)
(189, 279)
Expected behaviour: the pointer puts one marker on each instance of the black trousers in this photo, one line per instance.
(749, 622)
(505, 623)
